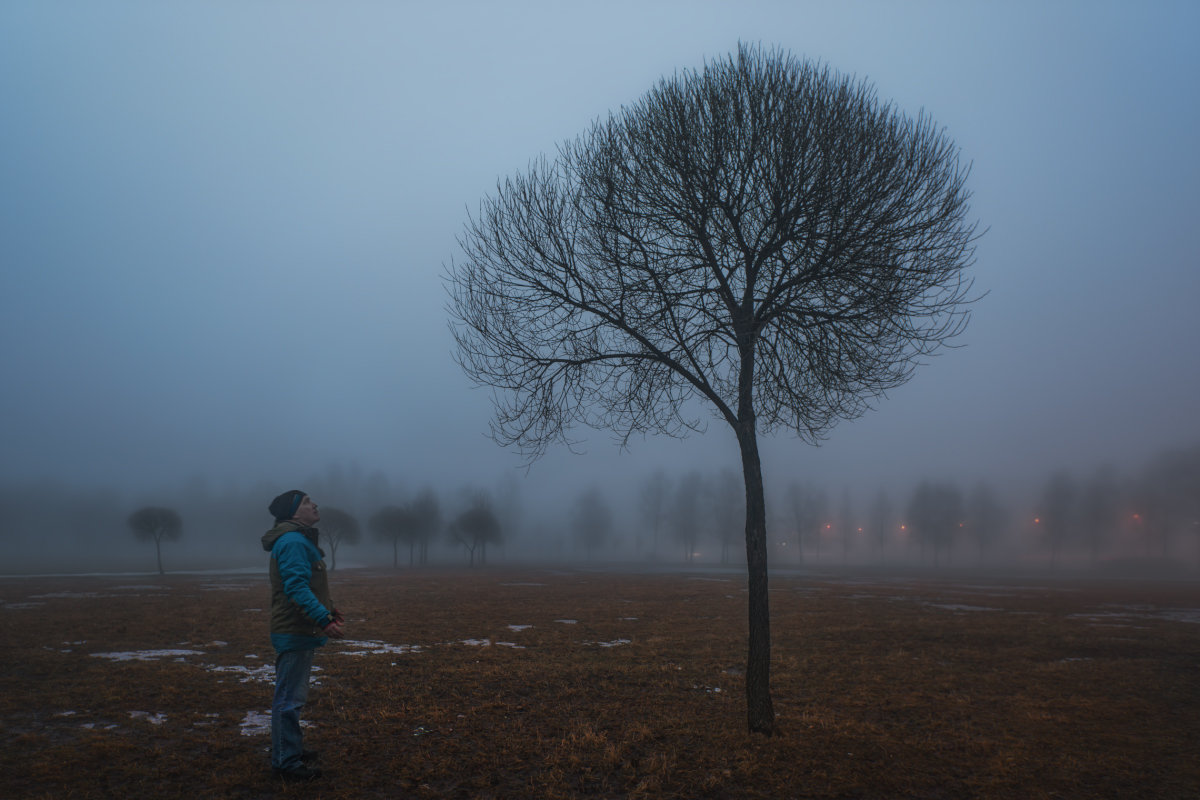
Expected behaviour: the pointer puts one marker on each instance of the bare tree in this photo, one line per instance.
(427, 521)
(476, 527)
(986, 518)
(936, 514)
(157, 524)
(395, 524)
(819, 528)
(762, 237)
(848, 525)
(652, 501)
(1171, 491)
(729, 510)
(1057, 512)
(592, 520)
(1099, 510)
(686, 515)
(338, 527)
(806, 507)
(881, 522)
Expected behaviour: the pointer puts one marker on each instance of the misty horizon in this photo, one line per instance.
(225, 234)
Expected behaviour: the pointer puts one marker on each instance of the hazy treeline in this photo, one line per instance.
(1105, 519)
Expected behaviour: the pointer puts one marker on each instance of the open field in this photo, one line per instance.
(559, 684)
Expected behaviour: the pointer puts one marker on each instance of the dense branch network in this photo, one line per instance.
(762, 220)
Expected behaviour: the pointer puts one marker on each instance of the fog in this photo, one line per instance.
(223, 229)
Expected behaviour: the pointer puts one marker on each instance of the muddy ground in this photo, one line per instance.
(545, 683)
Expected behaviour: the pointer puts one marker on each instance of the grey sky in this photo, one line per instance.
(223, 225)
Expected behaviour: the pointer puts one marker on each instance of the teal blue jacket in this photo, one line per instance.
(300, 602)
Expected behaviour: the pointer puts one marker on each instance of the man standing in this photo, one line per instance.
(302, 616)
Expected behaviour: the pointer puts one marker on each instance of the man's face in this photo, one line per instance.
(307, 514)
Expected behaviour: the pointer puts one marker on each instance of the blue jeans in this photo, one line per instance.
(291, 690)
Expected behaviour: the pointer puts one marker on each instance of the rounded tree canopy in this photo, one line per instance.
(153, 522)
(340, 525)
(762, 234)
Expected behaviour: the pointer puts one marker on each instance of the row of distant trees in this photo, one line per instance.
(414, 524)
(1149, 514)
(417, 523)
(1146, 514)
(699, 516)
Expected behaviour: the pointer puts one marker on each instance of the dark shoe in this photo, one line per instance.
(297, 774)
(309, 756)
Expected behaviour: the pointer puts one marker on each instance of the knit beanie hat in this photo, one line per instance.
(284, 507)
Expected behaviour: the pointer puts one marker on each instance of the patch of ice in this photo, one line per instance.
(263, 674)
(225, 587)
(65, 714)
(1124, 615)
(16, 606)
(613, 643)
(959, 607)
(477, 642)
(67, 595)
(519, 628)
(148, 655)
(567, 621)
(145, 588)
(153, 719)
(377, 648)
(256, 723)
(513, 645)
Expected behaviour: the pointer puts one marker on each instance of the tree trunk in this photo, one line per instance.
(760, 711)
(158, 552)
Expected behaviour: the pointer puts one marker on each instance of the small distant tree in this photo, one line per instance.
(848, 523)
(156, 524)
(592, 520)
(1099, 510)
(475, 528)
(936, 513)
(805, 509)
(880, 522)
(338, 527)
(395, 524)
(427, 520)
(1171, 483)
(652, 503)
(986, 518)
(728, 511)
(817, 516)
(686, 514)
(1057, 511)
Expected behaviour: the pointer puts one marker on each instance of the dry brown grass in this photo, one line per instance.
(884, 689)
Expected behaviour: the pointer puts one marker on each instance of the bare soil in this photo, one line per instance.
(561, 684)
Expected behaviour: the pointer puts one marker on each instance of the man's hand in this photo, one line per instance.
(338, 618)
(334, 629)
